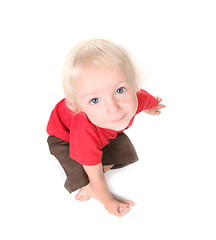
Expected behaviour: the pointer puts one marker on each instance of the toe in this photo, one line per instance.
(131, 203)
(77, 197)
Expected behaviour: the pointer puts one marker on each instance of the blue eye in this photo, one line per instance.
(95, 101)
(120, 90)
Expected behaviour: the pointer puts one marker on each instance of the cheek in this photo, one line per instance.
(132, 104)
(136, 103)
(92, 113)
(94, 116)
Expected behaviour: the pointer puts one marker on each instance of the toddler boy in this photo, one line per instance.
(86, 128)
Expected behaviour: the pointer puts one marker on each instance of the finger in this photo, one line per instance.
(157, 113)
(159, 99)
(160, 106)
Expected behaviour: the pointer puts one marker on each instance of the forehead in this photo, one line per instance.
(94, 79)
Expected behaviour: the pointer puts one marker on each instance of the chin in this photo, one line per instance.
(119, 127)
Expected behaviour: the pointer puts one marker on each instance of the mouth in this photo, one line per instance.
(118, 119)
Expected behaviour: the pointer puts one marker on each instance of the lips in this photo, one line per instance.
(118, 119)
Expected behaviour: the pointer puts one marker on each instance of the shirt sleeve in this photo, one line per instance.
(55, 125)
(145, 100)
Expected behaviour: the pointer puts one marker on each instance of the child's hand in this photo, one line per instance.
(155, 110)
(118, 208)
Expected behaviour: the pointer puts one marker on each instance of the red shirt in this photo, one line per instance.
(87, 140)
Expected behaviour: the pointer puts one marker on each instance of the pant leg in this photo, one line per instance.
(119, 152)
(76, 175)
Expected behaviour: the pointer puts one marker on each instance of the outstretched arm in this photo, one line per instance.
(98, 182)
(155, 110)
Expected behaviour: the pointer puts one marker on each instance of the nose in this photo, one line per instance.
(112, 106)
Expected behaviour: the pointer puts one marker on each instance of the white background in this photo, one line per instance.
(174, 183)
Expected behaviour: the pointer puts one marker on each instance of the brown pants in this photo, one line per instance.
(119, 152)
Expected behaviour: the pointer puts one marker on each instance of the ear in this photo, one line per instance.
(73, 106)
(76, 108)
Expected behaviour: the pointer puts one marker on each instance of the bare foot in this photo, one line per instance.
(125, 209)
(82, 196)
(130, 203)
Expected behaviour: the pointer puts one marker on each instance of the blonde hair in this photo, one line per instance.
(97, 52)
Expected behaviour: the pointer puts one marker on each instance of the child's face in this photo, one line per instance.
(106, 96)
